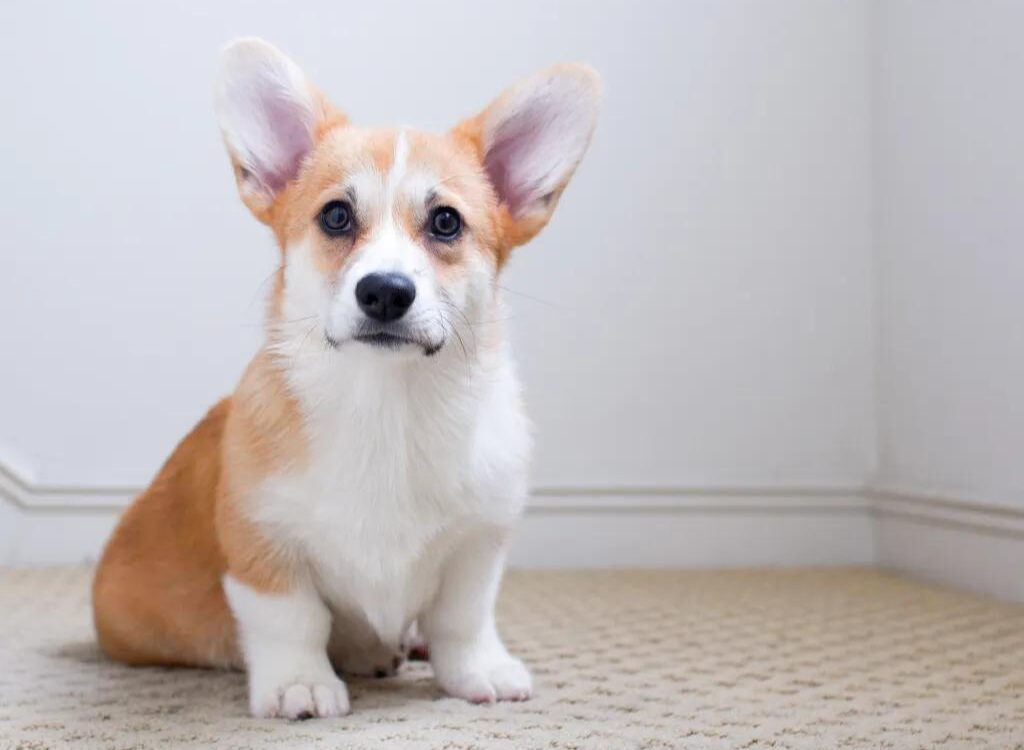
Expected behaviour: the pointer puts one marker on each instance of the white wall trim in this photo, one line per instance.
(20, 489)
(949, 511)
(951, 541)
(696, 527)
(23, 491)
(609, 526)
(651, 525)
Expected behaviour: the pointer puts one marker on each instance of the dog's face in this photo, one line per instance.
(393, 239)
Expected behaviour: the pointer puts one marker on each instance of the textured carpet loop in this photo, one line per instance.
(789, 660)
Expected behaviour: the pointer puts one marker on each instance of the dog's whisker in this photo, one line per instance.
(492, 321)
(532, 298)
(446, 301)
(471, 324)
(268, 277)
(302, 343)
(451, 326)
(469, 327)
(295, 320)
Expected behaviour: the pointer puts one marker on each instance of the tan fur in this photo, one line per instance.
(262, 435)
(157, 596)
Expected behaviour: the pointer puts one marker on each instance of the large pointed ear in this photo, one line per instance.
(530, 141)
(269, 116)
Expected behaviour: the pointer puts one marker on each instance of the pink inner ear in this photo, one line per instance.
(292, 140)
(536, 134)
(512, 158)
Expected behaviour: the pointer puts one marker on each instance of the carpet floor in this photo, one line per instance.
(809, 659)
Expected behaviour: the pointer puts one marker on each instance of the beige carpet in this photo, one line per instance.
(808, 659)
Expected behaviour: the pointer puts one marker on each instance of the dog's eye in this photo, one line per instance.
(336, 218)
(445, 223)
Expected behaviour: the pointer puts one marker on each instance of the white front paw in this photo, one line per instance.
(322, 696)
(484, 679)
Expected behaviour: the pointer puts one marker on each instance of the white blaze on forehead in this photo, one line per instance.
(409, 184)
(398, 166)
(377, 193)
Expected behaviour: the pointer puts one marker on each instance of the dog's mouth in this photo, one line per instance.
(385, 340)
(392, 340)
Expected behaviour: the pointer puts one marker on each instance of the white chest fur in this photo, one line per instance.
(404, 458)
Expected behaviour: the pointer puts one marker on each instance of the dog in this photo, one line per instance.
(357, 490)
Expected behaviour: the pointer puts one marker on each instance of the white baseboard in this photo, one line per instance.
(69, 536)
(563, 527)
(947, 539)
(951, 540)
(695, 527)
(619, 537)
(19, 488)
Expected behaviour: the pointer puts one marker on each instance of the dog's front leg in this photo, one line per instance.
(284, 642)
(467, 655)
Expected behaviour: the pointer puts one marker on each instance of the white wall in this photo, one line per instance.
(704, 282)
(775, 321)
(949, 206)
(949, 197)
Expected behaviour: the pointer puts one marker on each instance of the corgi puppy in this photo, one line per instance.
(362, 480)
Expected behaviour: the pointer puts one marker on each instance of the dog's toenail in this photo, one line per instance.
(381, 673)
(304, 715)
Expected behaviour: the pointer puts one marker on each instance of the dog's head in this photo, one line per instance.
(393, 239)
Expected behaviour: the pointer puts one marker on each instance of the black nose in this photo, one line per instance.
(385, 296)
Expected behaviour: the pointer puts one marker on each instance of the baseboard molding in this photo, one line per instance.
(950, 539)
(949, 511)
(695, 527)
(716, 526)
(21, 490)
